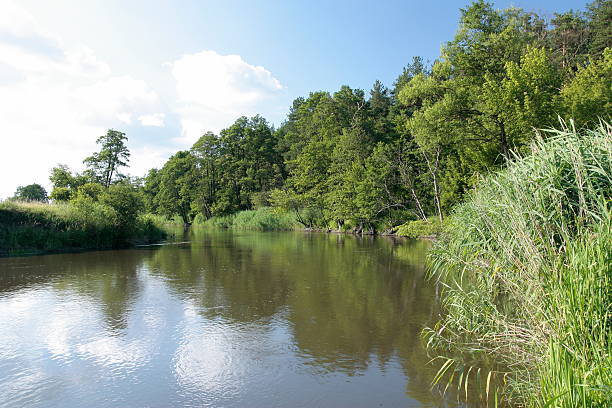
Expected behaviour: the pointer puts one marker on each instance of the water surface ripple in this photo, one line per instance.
(225, 320)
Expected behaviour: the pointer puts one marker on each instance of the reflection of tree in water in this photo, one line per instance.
(362, 302)
(113, 282)
(108, 278)
(224, 278)
(349, 301)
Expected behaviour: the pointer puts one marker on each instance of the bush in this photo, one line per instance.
(419, 228)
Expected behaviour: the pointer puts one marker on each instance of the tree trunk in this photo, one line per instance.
(418, 204)
(433, 170)
(408, 179)
(503, 140)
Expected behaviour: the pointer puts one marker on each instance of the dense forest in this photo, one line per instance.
(369, 161)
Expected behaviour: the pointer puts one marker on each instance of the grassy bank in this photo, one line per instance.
(526, 265)
(262, 219)
(38, 227)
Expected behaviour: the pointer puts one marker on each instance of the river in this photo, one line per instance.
(226, 319)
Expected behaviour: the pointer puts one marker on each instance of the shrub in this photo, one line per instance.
(420, 228)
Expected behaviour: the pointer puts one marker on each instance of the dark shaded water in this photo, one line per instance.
(227, 320)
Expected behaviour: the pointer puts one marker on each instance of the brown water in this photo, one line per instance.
(225, 320)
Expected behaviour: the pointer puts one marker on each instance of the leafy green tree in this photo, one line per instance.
(176, 181)
(60, 194)
(65, 184)
(62, 177)
(92, 191)
(306, 213)
(568, 39)
(113, 155)
(125, 200)
(600, 26)
(150, 189)
(31, 192)
(207, 153)
(524, 98)
(587, 98)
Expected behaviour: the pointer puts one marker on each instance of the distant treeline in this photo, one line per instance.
(372, 160)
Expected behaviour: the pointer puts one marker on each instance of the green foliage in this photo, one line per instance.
(90, 191)
(600, 16)
(262, 219)
(371, 161)
(176, 181)
(66, 184)
(81, 224)
(114, 154)
(525, 263)
(126, 202)
(588, 96)
(568, 39)
(31, 192)
(60, 194)
(420, 228)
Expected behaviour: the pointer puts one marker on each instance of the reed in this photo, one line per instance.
(261, 219)
(525, 266)
(28, 227)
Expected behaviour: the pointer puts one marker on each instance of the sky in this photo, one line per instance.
(166, 72)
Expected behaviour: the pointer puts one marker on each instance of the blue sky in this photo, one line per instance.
(165, 72)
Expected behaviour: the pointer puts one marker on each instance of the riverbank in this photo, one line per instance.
(526, 267)
(275, 219)
(32, 228)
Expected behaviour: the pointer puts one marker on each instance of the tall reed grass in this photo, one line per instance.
(261, 219)
(30, 227)
(526, 267)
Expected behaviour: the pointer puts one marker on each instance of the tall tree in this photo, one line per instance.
(176, 187)
(600, 25)
(569, 39)
(113, 155)
(207, 153)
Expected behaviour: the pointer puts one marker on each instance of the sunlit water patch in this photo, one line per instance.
(226, 320)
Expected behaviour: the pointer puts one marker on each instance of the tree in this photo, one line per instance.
(31, 192)
(91, 191)
(588, 96)
(207, 153)
(150, 189)
(125, 200)
(176, 187)
(600, 25)
(65, 184)
(569, 39)
(113, 155)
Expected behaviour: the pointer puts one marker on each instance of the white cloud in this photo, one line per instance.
(55, 101)
(213, 90)
(155, 119)
(125, 117)
(144, 158)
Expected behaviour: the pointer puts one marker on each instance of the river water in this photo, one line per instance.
(227, 319)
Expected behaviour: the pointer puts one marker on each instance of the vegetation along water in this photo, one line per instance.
(462, 148)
